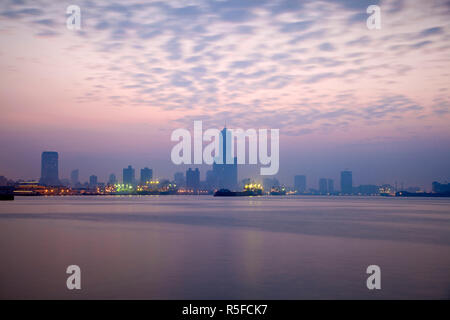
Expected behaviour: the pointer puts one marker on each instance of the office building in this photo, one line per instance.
(74, 177)
(93, 181)
(128, 175)
(330, 186)
(300, 183)
(49, 168)
(346, 182)
(323, 186)
(193, 179)
(179, 179)
(146, 175)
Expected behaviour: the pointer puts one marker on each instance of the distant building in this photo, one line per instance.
(146, 175)
(224, 175)
(330, 186)
(440, 187)
(74, 177)
(193, 179)
(179, 179)
(49, 168)
(300, 183)
(346, 182)
(93, 181)
(323, 186)
(128, 175)
(112, 179)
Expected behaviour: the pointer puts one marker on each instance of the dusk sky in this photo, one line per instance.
(376, 102)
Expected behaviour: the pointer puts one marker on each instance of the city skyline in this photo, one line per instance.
(343, 96)
(191, 178)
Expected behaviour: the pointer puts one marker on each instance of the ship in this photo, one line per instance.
(250, 190)
(278, 191)
(228, 193)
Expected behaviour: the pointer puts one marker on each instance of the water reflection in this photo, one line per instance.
(208, 248)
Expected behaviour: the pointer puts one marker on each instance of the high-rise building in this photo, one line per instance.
(128, 175)
(330, 186)
(225, 166)
(146, 175)
(93, 181)
(49, 168)
(323, 186)
(193, 179)
(346, 182)
(112, 179)
(300, 183)
(179, 179)
(74, 177)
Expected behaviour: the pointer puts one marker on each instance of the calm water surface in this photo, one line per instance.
(201, 247)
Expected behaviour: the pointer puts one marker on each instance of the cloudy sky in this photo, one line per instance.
(343, 96)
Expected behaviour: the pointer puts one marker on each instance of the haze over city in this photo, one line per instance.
(375, 102)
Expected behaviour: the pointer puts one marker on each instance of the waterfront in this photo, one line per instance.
(201, 247)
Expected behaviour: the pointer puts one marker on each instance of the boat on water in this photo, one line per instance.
(278, 191)
(245, 193)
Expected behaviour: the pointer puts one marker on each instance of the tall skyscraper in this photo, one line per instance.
(300, 183)
(225, 166)
(346, 182)
(93, 181)
(112, 179)
(49, 168)
(330, 186)
(193, 179)
(323, 186)
(146, 175)
(74, 177)
(128, 175)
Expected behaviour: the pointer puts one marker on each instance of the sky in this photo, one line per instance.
(376, 102)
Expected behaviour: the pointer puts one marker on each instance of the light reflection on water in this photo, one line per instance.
(201, 247)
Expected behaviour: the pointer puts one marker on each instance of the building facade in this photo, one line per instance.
(146, 175)
(128, 176)
(300, 183)
(49, 168)
(346, 182)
